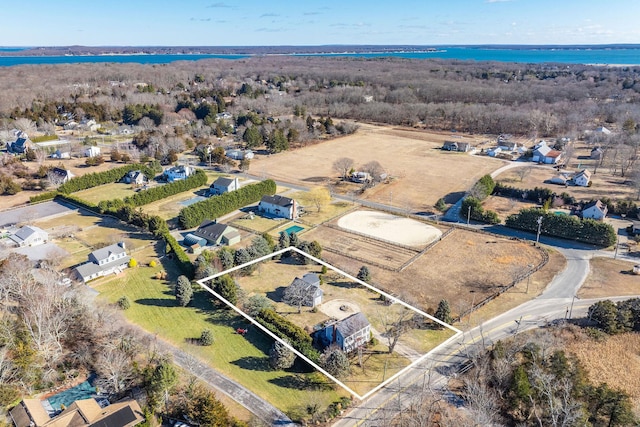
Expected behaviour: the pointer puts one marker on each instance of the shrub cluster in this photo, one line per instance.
(298, 337)
(49, 195)
(564, 226)
(478, 213)
(213, 207)
(99, 178)
(536, 195)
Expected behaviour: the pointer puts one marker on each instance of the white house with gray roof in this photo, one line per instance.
(223, 185)
(30, 235)
(279, 206)
(104, 261)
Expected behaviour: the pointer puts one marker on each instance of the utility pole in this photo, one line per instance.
(571, 309)
(468, 215)
(539, 221)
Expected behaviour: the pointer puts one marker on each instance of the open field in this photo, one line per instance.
(245, 359)
(337, 241)
(170, 207)
(462, 268)
(413, 158)
(614, 360)
(505, 206)
(116, 190)
(608, 277)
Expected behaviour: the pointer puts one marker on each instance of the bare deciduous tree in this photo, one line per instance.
(343, 166)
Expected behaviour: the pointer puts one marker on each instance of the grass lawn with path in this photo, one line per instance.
(116, 190)
(244, 359)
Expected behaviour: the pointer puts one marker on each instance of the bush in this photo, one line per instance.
(94, 179)
(283, 328)
(133, 263)
(206, 337)
(50, 195)
(123, 303)
(144, 197)
(472, 206)
(153, 263)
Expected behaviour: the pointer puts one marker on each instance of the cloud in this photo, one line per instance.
(268, 15)
(200, 19)
(311, 13)
(270, 30)
(218, 5)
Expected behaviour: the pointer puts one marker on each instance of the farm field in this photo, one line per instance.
(413, 158)
(245, 359)
(462, 268)
(610, 277)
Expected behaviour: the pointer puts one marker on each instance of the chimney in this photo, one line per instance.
(121, 244)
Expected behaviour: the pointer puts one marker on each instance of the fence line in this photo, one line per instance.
(422, 252)
(518, 279)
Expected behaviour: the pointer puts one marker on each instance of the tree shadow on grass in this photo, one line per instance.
(253, 363)
(276, 295)
(159, 302)
(304, 382)
(452, 198)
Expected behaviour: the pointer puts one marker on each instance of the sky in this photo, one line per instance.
(300, 22)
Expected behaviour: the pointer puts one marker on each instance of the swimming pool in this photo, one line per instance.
(83, 390)
(294, 229)
(192, 200)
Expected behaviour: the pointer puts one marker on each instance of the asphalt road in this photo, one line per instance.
(33, 212)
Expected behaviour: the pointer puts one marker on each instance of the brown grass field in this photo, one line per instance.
(463, 268)
(421, 172)
(606, 361)
(610, 277)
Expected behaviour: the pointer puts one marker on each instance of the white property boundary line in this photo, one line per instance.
(458, 332)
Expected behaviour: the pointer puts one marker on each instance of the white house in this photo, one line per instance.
(595, 210)
(90, 125)
(30, 235)
(61, 175)
(542, 153)
(279, 206)
(306, 290)
(178, 173)
(223, 185)
(349, 333)
(134, 177)
(92, 151)
(239, 154)
(104, 261)
(582, 178)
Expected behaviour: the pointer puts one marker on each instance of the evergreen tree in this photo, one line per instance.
(443, 312)
(280, 357)
(364, 274)
(184, 291)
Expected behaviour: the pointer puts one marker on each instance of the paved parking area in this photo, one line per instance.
(33, 212)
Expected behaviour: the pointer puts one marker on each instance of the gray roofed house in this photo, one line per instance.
(306, 290)
(135, 177)
(595, 210)
(216, 233)
(62, 175)
(30, 235)
(279, 206)
(104, 261)
(223, 185)
(349, 333)
(20, 145)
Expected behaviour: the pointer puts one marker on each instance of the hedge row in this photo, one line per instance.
(564, 226)
(94, 179)
(216, 206)
(299, 339)
(144, 197)
(153, 223)
(49, 195)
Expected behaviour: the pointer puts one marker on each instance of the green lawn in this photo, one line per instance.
(241, 358)
(259, 224)
(112, 191)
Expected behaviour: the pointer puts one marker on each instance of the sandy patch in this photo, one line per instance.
(339, 308)
(389, 227)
